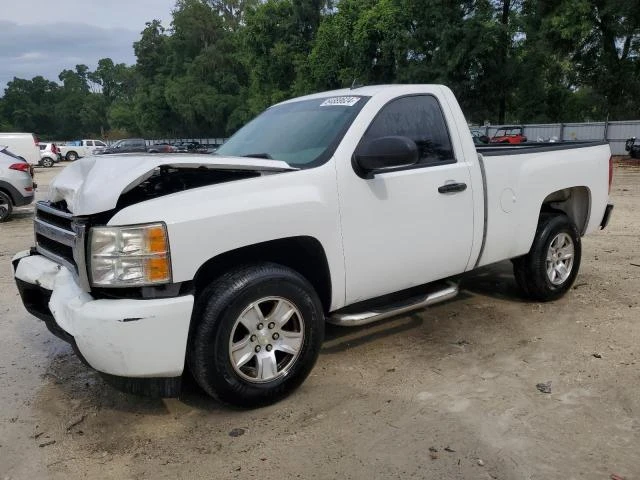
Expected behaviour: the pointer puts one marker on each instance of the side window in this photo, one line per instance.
(100, 144)
(419, 118)
(89, 143)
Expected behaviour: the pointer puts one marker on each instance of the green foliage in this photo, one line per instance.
(222, 61)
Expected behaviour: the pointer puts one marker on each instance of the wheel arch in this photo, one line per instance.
(575, 202)
(9, 190)
(303, 254)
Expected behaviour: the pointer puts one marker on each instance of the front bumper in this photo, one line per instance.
(121, 338)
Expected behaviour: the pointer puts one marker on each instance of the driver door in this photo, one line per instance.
(399, 230)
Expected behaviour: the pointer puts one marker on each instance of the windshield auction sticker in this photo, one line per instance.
(340, 101)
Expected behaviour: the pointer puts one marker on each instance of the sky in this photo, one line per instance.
(44, 37)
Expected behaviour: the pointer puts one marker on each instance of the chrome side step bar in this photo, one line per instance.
(373, 315)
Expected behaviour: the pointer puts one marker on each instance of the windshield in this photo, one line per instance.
(303, 133)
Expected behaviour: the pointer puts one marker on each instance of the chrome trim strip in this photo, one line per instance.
(58, 259)
(42, 205)
(74, 238)
(79, 255)
(363, 318)
(54, 233)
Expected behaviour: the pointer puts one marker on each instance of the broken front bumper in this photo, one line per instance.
(121, 338)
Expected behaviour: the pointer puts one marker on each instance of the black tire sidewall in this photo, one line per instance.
(47, 162)
(6, 198)
(72, 156)
(535, 275)
(225, 300)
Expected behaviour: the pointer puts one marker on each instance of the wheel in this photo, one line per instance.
(71, 156)
(47, 162)
(256, 334)
(551, 266)
(6, 206)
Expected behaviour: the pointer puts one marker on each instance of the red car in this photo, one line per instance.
(513, 135)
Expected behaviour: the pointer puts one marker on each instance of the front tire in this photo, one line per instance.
(6, 206)
(47, 162)
(257, 334)
(548, 271)
(71, 156)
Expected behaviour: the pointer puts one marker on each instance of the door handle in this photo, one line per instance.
(452, 187)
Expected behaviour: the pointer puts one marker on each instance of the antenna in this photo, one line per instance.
(355, 84)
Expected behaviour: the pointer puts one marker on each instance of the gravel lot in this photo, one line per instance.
(448, 392)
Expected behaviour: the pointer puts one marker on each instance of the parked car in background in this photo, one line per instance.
(162, 147)
(49, 154)
(16, 183)
(631, 147)
(185, 147)
(23, 145)
(513, 135)
(126, 145)
(479, 137)
(71, 151)
(213, 148)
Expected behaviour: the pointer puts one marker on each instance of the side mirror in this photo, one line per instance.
(385, 153)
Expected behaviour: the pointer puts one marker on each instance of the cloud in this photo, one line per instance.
(47, 49)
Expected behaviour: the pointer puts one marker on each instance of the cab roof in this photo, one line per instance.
(366, 91)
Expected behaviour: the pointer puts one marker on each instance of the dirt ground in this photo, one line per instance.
(447, 393)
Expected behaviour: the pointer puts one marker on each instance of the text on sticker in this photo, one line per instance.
(341, 101)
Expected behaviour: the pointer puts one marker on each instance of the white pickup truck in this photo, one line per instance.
(72, 151)
(347, 206)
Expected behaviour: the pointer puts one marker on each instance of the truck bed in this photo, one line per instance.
(497, 149)
(568, 176)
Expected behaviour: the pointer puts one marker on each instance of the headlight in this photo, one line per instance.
(130, 256)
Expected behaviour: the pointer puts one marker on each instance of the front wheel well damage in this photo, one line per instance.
(303, 254)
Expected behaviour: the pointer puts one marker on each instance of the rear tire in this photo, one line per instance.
(72, 156)
(6, 206)
(548, 271)
(47, 162)
(256, 335)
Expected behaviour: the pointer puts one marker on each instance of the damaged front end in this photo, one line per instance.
(166, 180)
(134, 336)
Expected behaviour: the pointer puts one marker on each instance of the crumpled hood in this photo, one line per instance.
(94, 184)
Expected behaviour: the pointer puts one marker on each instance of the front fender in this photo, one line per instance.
(209, 221)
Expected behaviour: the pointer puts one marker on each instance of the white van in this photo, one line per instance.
(23, 145)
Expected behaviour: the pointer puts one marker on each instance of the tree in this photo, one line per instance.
(601, 39)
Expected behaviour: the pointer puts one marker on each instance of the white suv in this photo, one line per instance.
(16, 183)
(49, 154)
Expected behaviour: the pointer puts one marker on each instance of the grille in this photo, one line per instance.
(60, 238)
